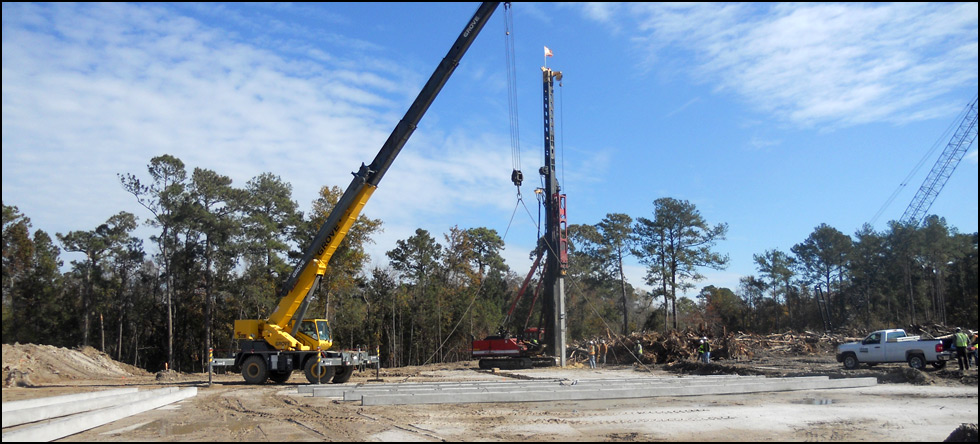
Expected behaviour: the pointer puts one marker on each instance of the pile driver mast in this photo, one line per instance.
(503, 350)
(556, 233)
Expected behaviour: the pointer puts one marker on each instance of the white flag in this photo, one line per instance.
(547, 52)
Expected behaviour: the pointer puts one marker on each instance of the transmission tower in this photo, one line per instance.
(943, 169)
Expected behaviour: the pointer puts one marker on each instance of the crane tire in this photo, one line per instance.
(315, 373)
(255, 370)
(343, 374)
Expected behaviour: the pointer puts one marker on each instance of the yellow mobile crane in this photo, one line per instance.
(272, 348)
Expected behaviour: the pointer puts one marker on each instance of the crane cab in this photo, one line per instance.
(315, 333)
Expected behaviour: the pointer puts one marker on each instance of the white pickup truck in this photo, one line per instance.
(885, 346)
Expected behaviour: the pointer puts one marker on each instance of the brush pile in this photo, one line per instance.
(682, 345)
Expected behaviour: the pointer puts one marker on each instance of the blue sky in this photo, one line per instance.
(772, 118)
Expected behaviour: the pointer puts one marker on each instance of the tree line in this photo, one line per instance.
(219, 253)
(906, 275)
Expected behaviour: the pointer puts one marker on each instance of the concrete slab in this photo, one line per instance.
(38, 402)
(355, 394)
(40, 413)
(568, 393)
(340, 389)
(60, 428)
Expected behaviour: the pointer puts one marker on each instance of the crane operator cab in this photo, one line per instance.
(315, 333)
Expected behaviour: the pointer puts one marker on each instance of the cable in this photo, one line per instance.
(515, 138)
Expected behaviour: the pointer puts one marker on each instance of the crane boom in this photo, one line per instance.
(964, 136)
(367, 178)
(274, 347)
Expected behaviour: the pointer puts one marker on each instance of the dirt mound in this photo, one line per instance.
(963, 433)
(26, 365)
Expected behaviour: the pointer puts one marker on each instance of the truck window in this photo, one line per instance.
(874, 338)
(895, 335)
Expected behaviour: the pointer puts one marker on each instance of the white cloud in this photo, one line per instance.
(818, 64)
(91, 91)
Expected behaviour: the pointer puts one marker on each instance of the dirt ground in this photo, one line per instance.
(907, 405)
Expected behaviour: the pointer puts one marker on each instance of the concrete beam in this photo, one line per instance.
(566, 393)
(355, 394)
(24, 416)
(336, 390)
(60, 428)
(38, 402)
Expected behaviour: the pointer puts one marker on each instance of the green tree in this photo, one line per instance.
(95, 245)
(867, 265)
(417, 259)
(212, 216)
(823, 259)
(777, 268)
(162, 197)
(676, 244)
(271, 219)
(34, 307)
(17, 251)
(723, 309)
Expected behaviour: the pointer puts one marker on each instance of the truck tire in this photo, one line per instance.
(850, 362)
(343, 374)
(255, 370)
(917, 362)
(938, 365)
(315, 373)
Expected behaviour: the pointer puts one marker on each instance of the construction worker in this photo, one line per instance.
(704, 350)
(962, 342)
(592, 352)
(973, 347)
(603, 349)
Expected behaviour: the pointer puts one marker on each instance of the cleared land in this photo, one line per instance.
(907, 405)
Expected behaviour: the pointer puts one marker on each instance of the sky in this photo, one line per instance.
(772, 118)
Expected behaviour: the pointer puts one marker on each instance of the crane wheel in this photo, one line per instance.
(255, 370)
(315, 373)
(344, 374)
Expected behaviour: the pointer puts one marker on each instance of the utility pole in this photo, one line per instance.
(556, 238)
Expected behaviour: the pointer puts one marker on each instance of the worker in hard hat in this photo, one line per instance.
(704, 350)
(962, 342)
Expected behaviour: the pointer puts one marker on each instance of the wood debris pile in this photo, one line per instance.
(682, 345)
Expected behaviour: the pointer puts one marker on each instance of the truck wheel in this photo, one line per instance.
(344, 374)
(939, 365)
(280, 377)
(255, 370)
(917, 362)
(315, 373)
(850, 362)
